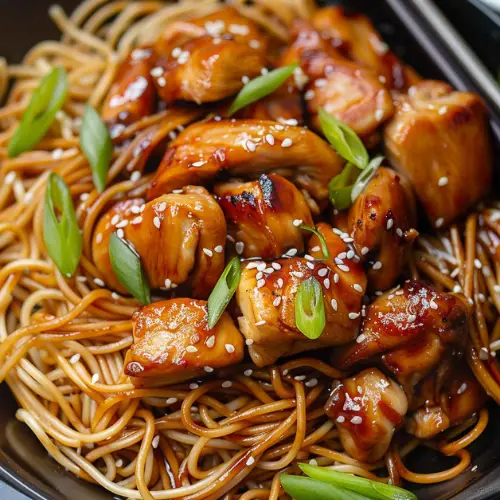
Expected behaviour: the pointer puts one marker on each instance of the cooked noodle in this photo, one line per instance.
(64, 340)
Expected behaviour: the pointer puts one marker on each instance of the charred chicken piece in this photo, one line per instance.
(267, 301)
(439, 138)
(356, 37)
(367, 408)
(400, 322)
(261, 214)
(180, 238)
(381, 221)
(132, 95)
(348, 91)
(200, 60)
(172, 342)
(447, 402)
(247, 148)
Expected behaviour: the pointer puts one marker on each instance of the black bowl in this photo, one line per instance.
(26, 466)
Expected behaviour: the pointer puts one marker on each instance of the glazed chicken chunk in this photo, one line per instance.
(367, 408)
(200, 60)
(180, 238)
(263, 215)
(247, 148)
(266, 297)
(446, 401)
(439, 139)
(351, 93)
(407, 330)
(172, 342)
(381, 221)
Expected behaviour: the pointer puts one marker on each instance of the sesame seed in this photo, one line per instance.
(390, 223)
(208, 369)
(99, 282)
(84, 196)
(95, 378)
(240, 247)
(312, 383)
(298, 274)
(442, 110)
(219, 249)
(135, 209)
(248, 373)
(462, 388)
(270, 139)
(193, 386)
(171, 401)
(229, 348)
(259, 275)
(135, 176)
(336, 278)
(340, 419)
(276, 266)
(123, 223)
(353, 315)
(155, 442)
(442, 181)
(81, 279)
(261, 322)
(399, 232)
(119, 462)
(344, 268)
(322, 272)
(277, 301)
(300, 378)
(309, 95)
(439, 222)
(245, 79)
(334, 304)
(75, 358)
(120, 233)
(412, 318)
(350, 254)
(360, 338)
(477, 264)
(433, 305)
(249, 341)
(251, 146)
(168, 283)
(198, 164)
(326, 282)
(358, 288)
(364, 250)
(313, 462)
(297, 222)
(310, 265)
(286, 143)
(377, 265)
(269, 270)
(379, 114)
(191, 348)
(254, 44)
(210, 342)
(98, 238)
(208, 252)
(292, 252)
(260, 283)
(279, 282)
(157, 222)
(250, 461)
(356, 420)
(115, 220)
(115, 296)
(457, 289)
(320, 82)
(136, 220)
(496, 288)
(227, 384)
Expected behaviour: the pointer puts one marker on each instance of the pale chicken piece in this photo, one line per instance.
(172, 343)
(180, 238)
(399, 321)
(205, 151)
(132, 94)
(447, 402)
(351, 93)
(264, 215)
(367, 408)
(201, 60)
(382, 221)
(439, 138)
(267, 301)
(356, 37)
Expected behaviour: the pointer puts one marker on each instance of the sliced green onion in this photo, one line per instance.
(261, 86)
(61, 233)
(223, 291)
(47, 99)
(322, 241)
(304, 488)
(97, 146)
(366, 487)
(340, 187)
(128, 269)
(310, 308)
(365, 177)
(344, 140)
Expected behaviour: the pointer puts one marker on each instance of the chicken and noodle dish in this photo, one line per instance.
(246, 252)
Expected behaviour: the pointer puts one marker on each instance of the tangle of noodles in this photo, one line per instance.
(64, 340)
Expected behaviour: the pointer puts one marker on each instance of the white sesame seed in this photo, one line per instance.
(279, 282)
(442, 181)
(240, 247)
(259, 275)
(336, 278)
(210, 342)
(433, 305)
(399, 232)
(98, 238)
(227, 384)
(119, 463)
(155, 442)
(277, 301)
(115, 296)
(249, 341)
(193, 386)
(75, 358)
(310, 265)
(322, 272)
(442, 110)
(120, 233)
(297, 222)
(99, 282)
(115, 220)
(439, 222)
(191, 348)
(326, 282)
(412, 318)
(300, 378)
(157, 222)
(208, 369)
(261, 322)
(364, 250)
(356, 420)
(254, 44)
(245, 79)
(350, 254)
(379, 114)
(477, 264)
(390, 223)
(340, 419)
(344, 268)
(276, 266)
(358, 288)
(317, 248)
(334, 304)
(81, 279)
(248, 373)
(123, 223)
(309, 95)
(320, 82)
(219, 249)
(286, 143)
(251, 146)
(313, 462)
(353, 315)
(457, 289)
(462, 388)
(208, 252)
(496, 288)
(95, 378)
(250, 461)
(171, 401)
(377, 265)
(229, 348)
(260, 283)
(135, 209)
(360, 338)
(270, 139)
(292, 252)
(136, 220)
